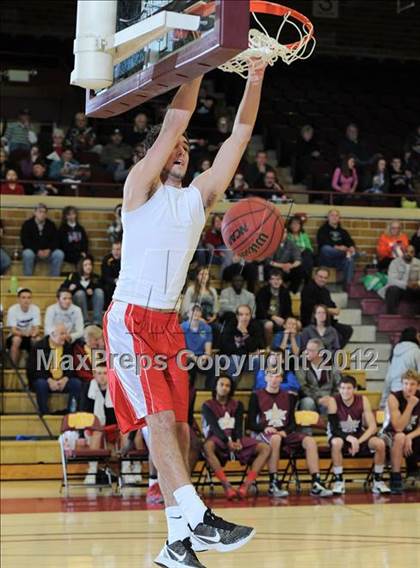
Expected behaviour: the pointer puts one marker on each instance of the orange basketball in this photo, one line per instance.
(253, 228)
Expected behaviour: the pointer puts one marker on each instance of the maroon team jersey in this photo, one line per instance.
(225, 414)
(402, 404)
(350, 418)
(276, 410)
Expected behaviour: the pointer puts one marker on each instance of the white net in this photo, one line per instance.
(269, 49)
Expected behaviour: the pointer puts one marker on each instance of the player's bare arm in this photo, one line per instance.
(400, 420)
(214, 182)
(369, 420)
(145, 175)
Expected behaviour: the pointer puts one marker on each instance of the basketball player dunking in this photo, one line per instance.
(162, 223)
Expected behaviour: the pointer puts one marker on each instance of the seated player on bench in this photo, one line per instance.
(223, 428)
(352, 428)
(271, 416)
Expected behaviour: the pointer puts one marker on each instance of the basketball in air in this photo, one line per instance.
(253, 228)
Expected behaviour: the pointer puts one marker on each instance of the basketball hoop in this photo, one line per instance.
(270, 49)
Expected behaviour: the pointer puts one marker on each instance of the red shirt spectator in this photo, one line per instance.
(213, 238)
(11, 187)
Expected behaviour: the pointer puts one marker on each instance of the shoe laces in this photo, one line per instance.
(211, 519)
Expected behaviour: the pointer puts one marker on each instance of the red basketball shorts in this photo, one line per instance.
(145, 368)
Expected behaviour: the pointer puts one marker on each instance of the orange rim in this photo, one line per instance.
(263, 7)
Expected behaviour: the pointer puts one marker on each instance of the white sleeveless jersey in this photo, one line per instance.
(159, 241)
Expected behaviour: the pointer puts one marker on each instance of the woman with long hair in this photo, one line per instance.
(345, 179)
(296, 233)
(321, 328)
(85, 287)
(72, 235)
(405, 355)
(201, 293)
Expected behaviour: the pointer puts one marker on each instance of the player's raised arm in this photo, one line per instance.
(214, 182)
(145, 174)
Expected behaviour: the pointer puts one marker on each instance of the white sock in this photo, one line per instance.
(152, 481)
(338, 470)
(93, 467)
(191, 505)
(177, 525)
(379, 469)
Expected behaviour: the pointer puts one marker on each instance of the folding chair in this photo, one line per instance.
(133, 455)
(72, 454)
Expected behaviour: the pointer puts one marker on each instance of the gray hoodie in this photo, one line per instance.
(406, 356)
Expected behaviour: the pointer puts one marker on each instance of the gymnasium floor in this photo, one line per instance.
(41, 530)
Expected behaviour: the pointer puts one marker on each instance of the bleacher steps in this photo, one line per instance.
(29, 452)
(351, 316)
(28, 425)
(364, 333)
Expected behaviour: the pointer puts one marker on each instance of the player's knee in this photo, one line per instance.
(337, 443)
(16, 341)
(263, 449)
(209, 446)
(268, 325)
(399, 439)
(275, 441)
(309, 443)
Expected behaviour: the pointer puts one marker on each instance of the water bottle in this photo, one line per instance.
(14, 284)
(73, 405)
(375, 261)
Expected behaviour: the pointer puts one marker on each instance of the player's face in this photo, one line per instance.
(223, 387)
(410, 387)
(346, 391)
(25, 300)
(177, 164)
(273, 380)
(101, 376)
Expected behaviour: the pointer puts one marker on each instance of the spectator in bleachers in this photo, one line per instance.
(24, 319)
(86, 289)
(26, 164)
(296, 233)
(40, 185)
(66, 313)
(39, 237)
(138, 132)
(345, 179)
(316, 292)
(400, 180)
(317, 381)
(249, 270)
(84, 352)
(234, 296)
(273, 305)
(405, 355)
(351, 145)
(123, 168)
(379, 180)
(116, 151)
(11, 185)
(352, 429)
(256, 171)
(110, 270)
(46, 368)
(69, 170)
(200, 292)
(115, 230)
(213, 241)
(203, 166)
(223, 427)
(288, 259)
(415, 241)
(412, 152)
(336, 247)
(218, 136)
(321, 328)
(403, 282)
(401, 429)
(271, 416)
(391, 244)
(5, 163)
(241, 339)
(306, 150)
(73, 238)
(199, 340)
(81, 137)
(204, 115)
(239, 187)
(20, 135)
(5, 260)
(275, 363)
(57, 147)
(272, 188)
(289, 340)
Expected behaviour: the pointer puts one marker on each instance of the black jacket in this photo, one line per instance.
(42, 348)
(75, 277)
(232, 341)
(263, 303)
(327, 235)
(32, 239)
(311, 295)
(110, 269)
(73, 241)
(87, 405)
